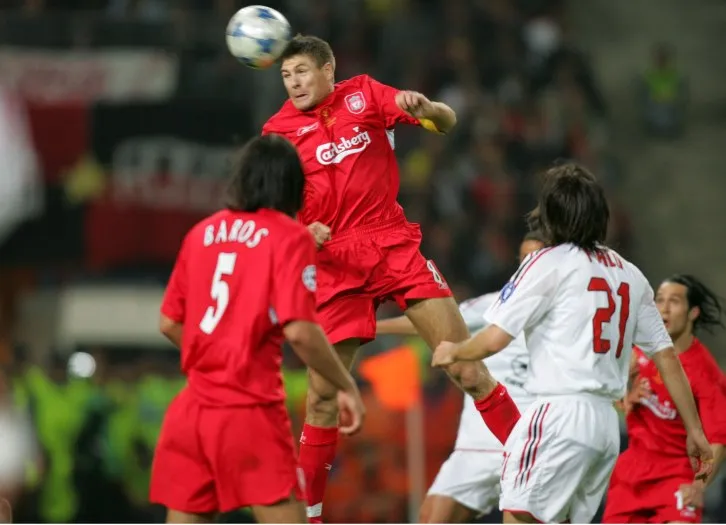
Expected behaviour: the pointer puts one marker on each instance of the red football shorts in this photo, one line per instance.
(360, 269)
(644, 489)
(212, 459)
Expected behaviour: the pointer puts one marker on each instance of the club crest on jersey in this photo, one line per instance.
(309, 278)
(506, 292)
(355, 102)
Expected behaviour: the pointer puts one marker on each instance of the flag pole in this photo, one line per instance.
(416, 459)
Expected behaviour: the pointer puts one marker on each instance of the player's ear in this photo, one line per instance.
(329, 70)
(693, 313)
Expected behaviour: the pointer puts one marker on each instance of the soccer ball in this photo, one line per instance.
(257, 36)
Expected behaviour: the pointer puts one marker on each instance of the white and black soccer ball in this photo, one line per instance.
(257, 36)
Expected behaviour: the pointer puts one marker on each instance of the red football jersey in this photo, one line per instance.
(346, 147)
(238, 279)
(654, 424)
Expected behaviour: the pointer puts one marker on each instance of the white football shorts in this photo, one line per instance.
(471, 478)
(559, 458)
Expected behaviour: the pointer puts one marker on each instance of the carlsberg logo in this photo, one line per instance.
(335, 152)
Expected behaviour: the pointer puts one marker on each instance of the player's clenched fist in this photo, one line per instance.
(351, 412)
(414, 103)
(320, 233)
(445, 354)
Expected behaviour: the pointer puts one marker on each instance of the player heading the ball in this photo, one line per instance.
(369, 252)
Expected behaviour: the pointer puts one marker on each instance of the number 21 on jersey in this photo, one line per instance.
(605, 315)
(219, 292)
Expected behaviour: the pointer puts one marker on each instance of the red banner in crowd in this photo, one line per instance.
(165, 166)
(60, 134)
(127, 181)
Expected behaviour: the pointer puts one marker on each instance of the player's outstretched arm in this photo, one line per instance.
(434, 116)
(310, 344)
(401, 325)
(675, 380)
(171, 329)
(484, 344)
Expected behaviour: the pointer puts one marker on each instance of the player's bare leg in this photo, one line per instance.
(438, 320)
(518, 517)
(443, 509)
(177, 516)
(288, 511)
(322, 407)
(319, 439)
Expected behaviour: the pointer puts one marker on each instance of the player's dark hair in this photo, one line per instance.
(572, 208)
(267, 174)
(312, 46)
(699, 295)
(534, 235)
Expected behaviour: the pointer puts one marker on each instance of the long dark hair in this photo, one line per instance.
(699, 295)
(267, 174)
(572, 208)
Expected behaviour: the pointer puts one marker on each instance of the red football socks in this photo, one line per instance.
(317, 453)
(499, 412)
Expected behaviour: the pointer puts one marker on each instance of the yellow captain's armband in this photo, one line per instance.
(429, 125)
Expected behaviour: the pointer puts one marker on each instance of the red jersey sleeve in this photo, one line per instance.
(710, 391)
(174, 304)
(293, 296)
(385, 98)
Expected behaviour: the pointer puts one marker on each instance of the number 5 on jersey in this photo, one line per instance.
(605, 314)
(219, 292)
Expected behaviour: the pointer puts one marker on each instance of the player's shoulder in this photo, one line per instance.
(699, 359)
(547, 257)
(353, 83)
(364, 85)
(630, 266)
(635, 273)
(283, 121)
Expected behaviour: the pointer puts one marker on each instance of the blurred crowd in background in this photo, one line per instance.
(120, 116)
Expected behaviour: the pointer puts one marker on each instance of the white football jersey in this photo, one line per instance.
(508, 367)
(581, 314)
